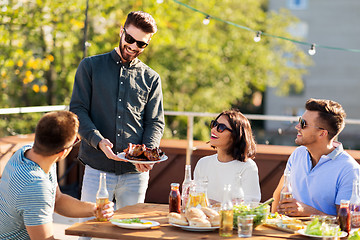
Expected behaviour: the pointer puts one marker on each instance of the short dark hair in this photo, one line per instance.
(141, 20)
(243, 144)
(331, 115)
(54, 131)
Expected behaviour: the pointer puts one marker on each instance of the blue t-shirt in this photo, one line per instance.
(27, 196)
(323, 186)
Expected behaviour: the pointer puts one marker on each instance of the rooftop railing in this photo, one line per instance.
(190, 119)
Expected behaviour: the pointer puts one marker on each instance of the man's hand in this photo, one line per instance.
(107, 211)
(105, 145)
(143, 167)
(292, 207)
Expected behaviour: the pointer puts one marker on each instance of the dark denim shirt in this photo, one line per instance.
(120, 102)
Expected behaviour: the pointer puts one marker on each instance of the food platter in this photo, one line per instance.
(285, 223)
(279, 227)
(302, 232)
(195, 229)
(122, 156)
(145, 224)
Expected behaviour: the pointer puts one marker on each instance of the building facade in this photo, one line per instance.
(335, 74)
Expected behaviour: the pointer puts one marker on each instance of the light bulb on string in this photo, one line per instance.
(312, 50)
(159, 1)
(206, 20)
(257, 38)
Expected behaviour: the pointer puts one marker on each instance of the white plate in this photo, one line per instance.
(195, 229)
(135, 225)
(302, 232)
(122, 156)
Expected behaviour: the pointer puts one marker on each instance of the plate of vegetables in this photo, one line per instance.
(354, 235)
(134, 223)
(318, 229)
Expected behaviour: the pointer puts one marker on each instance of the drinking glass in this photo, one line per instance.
(333, 229)
(245, 226)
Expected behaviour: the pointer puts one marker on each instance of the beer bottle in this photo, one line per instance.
(226, 213)
(286, 191)
(102, 198)
(185, 188)
(355, 205)
(238, 192)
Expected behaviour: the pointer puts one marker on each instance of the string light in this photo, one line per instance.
(312, 49)
(159, 1)
(206, 20)
(257, 38)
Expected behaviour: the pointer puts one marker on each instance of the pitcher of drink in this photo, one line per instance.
(198, 195)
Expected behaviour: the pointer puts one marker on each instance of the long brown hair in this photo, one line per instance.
(243, 145)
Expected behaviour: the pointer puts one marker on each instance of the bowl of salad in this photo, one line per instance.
(260, 212)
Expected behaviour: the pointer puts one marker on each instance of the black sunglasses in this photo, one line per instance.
(304, 125)
(220, 127)
(77, 140)
(129, 39)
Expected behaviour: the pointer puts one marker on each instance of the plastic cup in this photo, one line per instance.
(333, 229)
(245, 226)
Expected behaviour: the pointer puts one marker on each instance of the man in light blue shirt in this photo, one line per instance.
(321, 172)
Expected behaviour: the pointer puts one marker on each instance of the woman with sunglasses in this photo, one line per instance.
(232, 137)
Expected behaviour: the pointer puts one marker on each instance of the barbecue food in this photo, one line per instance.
(153, 154)
(142, 153)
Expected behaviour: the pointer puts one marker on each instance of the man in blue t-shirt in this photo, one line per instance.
(29, 193)
(321, 172)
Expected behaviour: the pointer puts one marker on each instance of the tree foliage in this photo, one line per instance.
(204, 68)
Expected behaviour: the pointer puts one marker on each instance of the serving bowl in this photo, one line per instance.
(260, 212)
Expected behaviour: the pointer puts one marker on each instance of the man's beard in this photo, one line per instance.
(305, 141)
(124, 55)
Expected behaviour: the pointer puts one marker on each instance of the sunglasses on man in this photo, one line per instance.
(77, 140)
(129, 39)
(304, 125)
(220, 127)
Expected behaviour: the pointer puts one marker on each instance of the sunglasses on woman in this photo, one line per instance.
(129, 39)
(304, 125)
(220, 127)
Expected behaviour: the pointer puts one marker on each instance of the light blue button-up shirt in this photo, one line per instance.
(323, 186)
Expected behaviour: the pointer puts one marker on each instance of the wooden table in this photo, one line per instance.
(159, 212)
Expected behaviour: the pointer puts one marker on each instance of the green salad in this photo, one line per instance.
(260, 213)
(354, 236)
(318, 228)
(128, 220)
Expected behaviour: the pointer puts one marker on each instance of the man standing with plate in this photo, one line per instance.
(118, 100)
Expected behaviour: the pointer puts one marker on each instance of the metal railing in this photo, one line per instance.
(190, 119)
